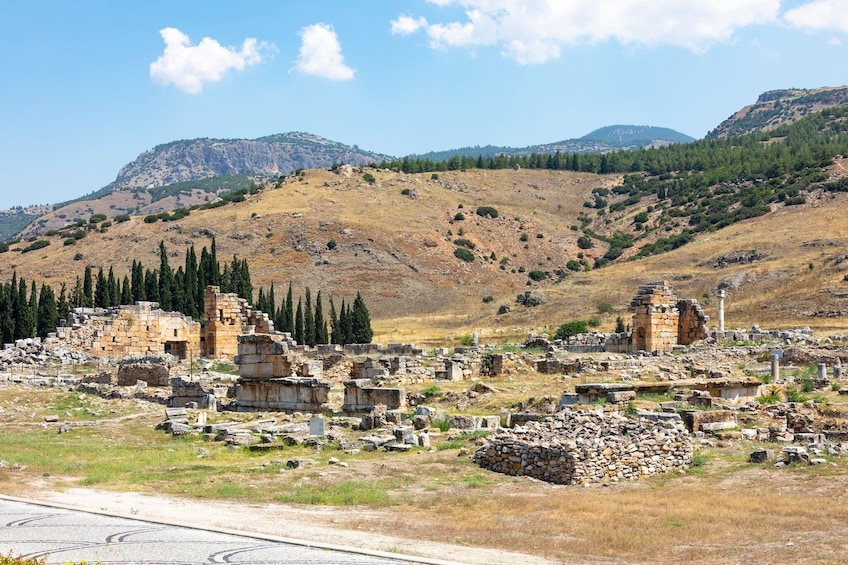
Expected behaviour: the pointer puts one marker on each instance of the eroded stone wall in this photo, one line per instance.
(227, 317)
(580, 447)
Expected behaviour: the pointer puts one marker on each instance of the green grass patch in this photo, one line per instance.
(346, 493)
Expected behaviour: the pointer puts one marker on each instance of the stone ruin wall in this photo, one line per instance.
(227, 317)
(661, 321)
(140, 330)
(581, 447)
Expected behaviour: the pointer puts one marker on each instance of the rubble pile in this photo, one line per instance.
(580, 447)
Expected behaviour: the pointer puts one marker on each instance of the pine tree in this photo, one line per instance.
(87, 289)
(48, 313)
(298, 323)
(362, 332)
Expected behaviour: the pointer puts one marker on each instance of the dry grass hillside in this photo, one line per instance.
(394, 243)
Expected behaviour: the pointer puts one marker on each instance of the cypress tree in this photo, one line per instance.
(298, 323)
(320, 324)
(76, 294)
(192, 298)
(113, 288)
(100, 292)
(15, 305)
(166, 280)
(137, 282)
(178, 297)
(362, 332)
(87, 289)
(289, 314)
(33, 311)
(272, 302)
(334, 323)
(7, 321)
(63, 307)
(126, 292)
(48, 313)
(216, 269)
(261, 302)
(308, 321)
(25, 324)
(151, 285)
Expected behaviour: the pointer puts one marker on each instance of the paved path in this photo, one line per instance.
(62, 535)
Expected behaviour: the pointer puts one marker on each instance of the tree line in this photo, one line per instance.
(27, 312)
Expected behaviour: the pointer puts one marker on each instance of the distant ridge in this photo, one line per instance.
(602, 140)
(778, 107)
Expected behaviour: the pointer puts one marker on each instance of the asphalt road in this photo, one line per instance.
(62, 536)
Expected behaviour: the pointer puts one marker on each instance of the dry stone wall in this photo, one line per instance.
(581, 447)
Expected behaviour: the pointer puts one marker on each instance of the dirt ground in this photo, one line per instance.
(334, 526)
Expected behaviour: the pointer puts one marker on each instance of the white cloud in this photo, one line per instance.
(189, 67)
(820, 15)
(406, 25)
(321, 54)
(534, 31)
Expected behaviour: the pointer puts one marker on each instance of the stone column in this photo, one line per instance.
(775, 366)
(721, 294)
(837, 369)
(822, 371)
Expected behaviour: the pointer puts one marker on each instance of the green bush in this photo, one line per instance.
(40, 244)
(464, 254)
(585, 242)
(593, 322)
(468, 244)
(459, 217)
(487, 299)
(369, 178)
(331, 244)
(570, 329)
(573, 265)
(96, 218)
(484, 211)
(605, 308)
(121, 218)
(537, 275)
(524, 237)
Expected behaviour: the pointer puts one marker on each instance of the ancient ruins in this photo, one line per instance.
(595, 432)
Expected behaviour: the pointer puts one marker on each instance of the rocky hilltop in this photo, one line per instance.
(273, 155)
(778, 107)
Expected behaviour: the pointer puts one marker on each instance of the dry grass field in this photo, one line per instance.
(397, 250)
(724, 510)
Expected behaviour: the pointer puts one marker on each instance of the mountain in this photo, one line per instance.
(603, 140)
(778, 107)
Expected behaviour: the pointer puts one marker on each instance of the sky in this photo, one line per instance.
(88, 85)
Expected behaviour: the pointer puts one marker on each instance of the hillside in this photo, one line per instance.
(395, 242)
(779, 107)
(603, 140)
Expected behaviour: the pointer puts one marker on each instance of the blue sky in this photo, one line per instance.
(88, 85)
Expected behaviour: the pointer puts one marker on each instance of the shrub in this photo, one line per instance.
(484, 211)
(466, 340)
(619, 325)
(585, 242)
(40, 244)
(569, 329)
(151, 219)
(487, 299)
(464, 254)
(459, 216)
(369, 178)
(78, 257)
(121, 218)
(406, 192)
(468, 244)
(605, 308)
(573, 265)
(537, 275)
(105, 225)
(96, 218)
(331, 244)
(4, 247)
(524, 237)
(434, 176)
(593, 322)
(69, 241)
(540, 236)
